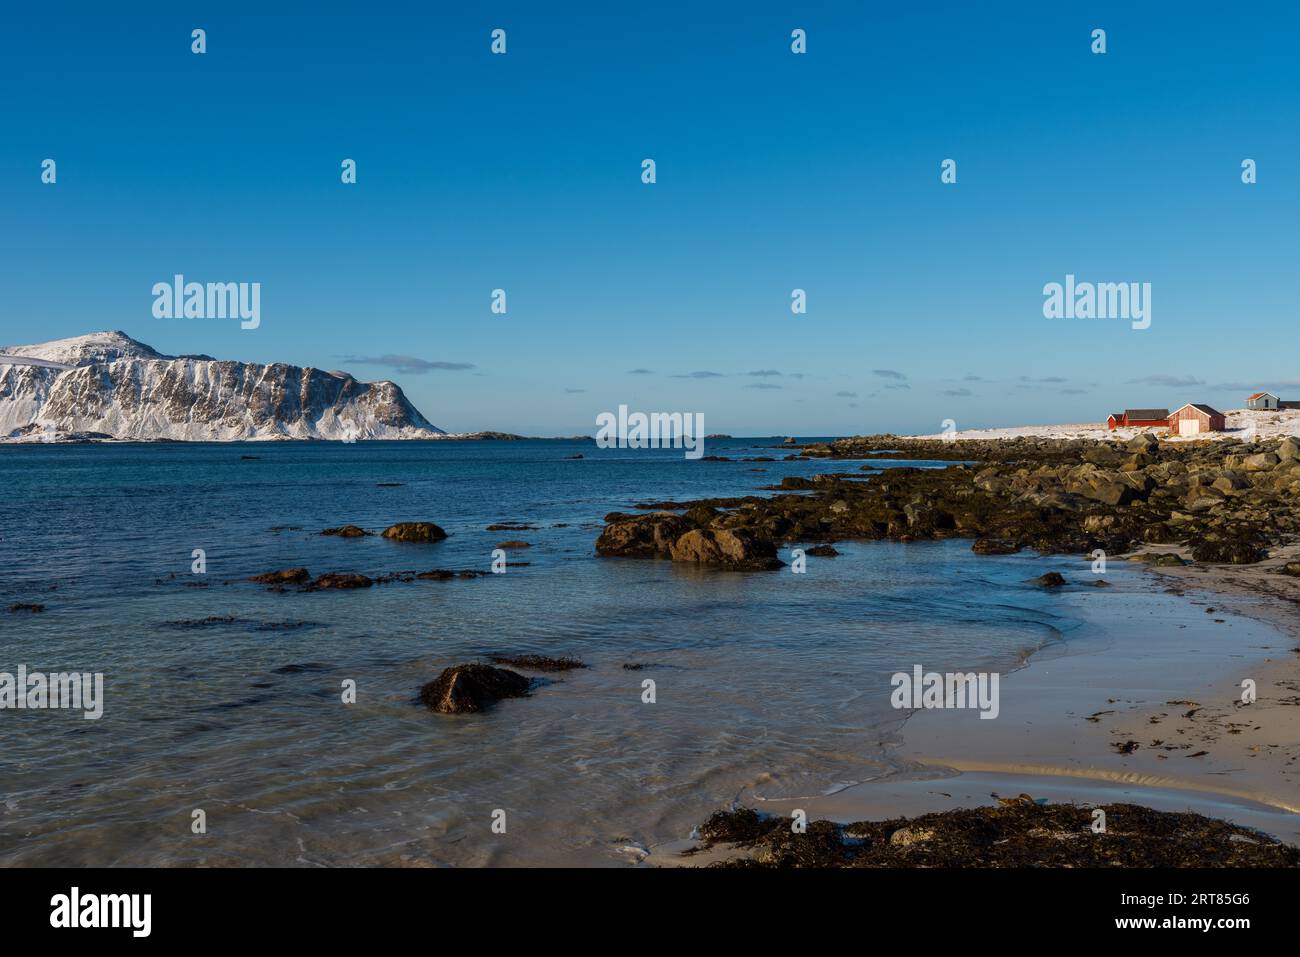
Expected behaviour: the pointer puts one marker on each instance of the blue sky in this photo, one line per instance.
(775, 172)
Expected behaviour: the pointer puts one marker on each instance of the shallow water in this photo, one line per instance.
(771, 680)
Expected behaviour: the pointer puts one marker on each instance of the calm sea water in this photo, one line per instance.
(769, 682)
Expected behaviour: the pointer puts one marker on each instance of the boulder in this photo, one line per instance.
(1098, 523)
(466, 689)
(1260, 462)
(1229, 482)
(1049, 580)
(414, 532)
(342, 580)
(1289, 450)
(1160, 559)
(642, 535)
(1107, 492)
(907, 836)
(822, 551)
(994, 546)
(701, 515)
(1104, 455)
(286, 576)
(1223, 549)
(346, 531)
(730, 548)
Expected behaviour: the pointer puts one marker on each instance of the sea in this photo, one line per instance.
(242, 726)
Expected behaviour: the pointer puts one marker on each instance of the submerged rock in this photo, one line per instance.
(1160, 559)
(822, 551)
(415, 532)
(1049, 580)
(993, 546)
(286, 576)
(346, 531)
(342, 580)
(465, 689)
(32, 607)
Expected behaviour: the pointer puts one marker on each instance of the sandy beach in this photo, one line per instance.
(1167, 676)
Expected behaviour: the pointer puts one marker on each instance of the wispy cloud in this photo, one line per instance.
(958, 393)
(640, 372)
(762, 385)
(700, 375)
(846, 395)
(408, 365)
(1168, 381)
(766, 373)
(574, 391)
(888, 374)
(1266, 385)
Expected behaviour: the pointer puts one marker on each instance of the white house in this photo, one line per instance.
(1262, 401)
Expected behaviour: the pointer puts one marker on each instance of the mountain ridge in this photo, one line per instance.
(108, 385)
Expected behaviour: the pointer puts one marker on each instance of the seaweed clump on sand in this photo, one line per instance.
(538, 662)
(1018, 833)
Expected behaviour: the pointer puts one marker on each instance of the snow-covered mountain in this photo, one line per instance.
(109, 384)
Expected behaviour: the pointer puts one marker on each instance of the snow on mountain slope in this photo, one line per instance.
(109, 383)
(83, 350)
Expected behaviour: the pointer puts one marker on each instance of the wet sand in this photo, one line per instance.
(1166, 675)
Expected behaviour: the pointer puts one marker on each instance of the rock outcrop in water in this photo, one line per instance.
(464, 689)
(415, 532)
(688, 538)
(108, 385)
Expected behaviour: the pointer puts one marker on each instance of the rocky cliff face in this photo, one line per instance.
(111, 385)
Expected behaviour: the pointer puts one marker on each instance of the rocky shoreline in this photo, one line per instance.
(1227, 502)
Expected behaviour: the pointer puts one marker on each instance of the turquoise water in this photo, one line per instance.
(772, 681)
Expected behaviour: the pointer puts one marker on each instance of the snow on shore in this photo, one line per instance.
(1266, 425)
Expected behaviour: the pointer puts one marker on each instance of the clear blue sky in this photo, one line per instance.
(775, 171)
